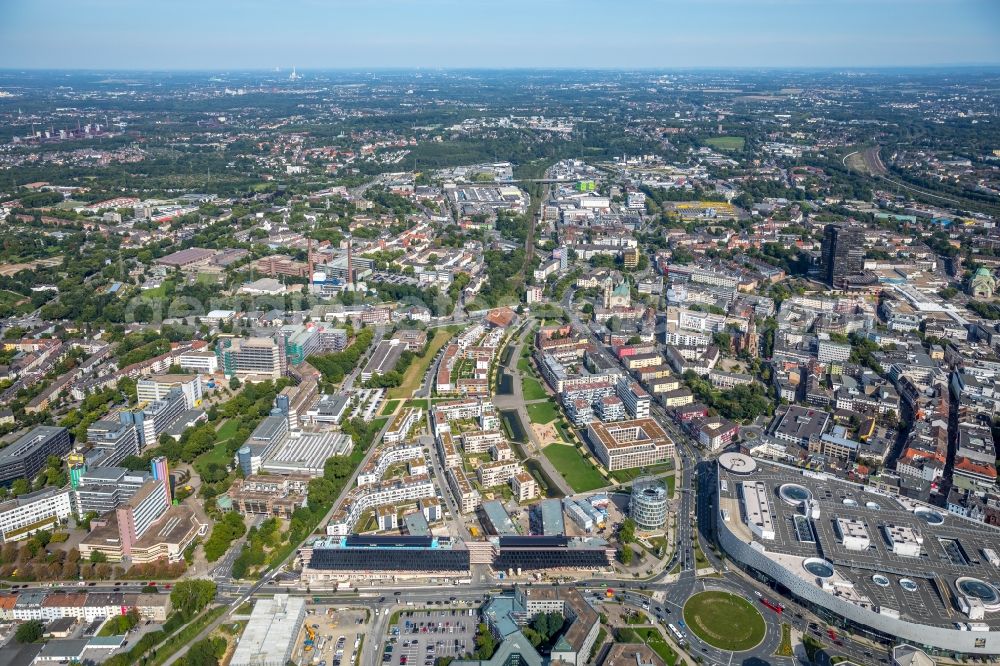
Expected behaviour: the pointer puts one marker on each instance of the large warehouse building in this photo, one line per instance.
(270, 634)
(891, 567)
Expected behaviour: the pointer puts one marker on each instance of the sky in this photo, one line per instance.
(358, 34)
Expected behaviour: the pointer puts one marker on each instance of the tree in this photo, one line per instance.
(626, 533)
(234, 383)
(29, 632)
(189, 597)
(322, 492)
(228, 529)
(19, 487)
(625, 554)
(97, 557)
(205, 652)
(485, 643)
(134, 463)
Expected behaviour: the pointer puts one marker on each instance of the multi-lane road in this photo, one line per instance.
(671, 586)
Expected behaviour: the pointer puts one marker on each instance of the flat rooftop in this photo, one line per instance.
(273, 626)
(951, 547)
(306, 451)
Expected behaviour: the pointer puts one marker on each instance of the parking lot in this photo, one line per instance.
(423, 636)
(338, 636)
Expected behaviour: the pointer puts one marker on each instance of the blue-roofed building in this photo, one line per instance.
(506, 614)
(416, 524)
(546, 518)
(496, 520)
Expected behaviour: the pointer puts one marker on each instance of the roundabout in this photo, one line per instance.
(724, 620)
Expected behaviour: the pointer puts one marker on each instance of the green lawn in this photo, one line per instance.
(15, 301)
(532, 389)
(785, 647)
(415, 373)
(156, 292)
(217, 454)
(578, 472)
(724, 620)
(626, 475)
(651, 637)
(730, 143)
(542, 412)
(524, 365)
(390, 407)
(227, 430)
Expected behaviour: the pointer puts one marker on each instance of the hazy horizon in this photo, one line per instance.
(259, 35)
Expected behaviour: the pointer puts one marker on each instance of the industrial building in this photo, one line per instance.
(384, 359)
(270, 635)
(546, 518)
(495, 519)
(305, 452)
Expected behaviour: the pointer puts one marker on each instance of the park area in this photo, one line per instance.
(577, 470)
(542, 412)
(724, 620)
(217, 455)
(415, 372)
(532, 389)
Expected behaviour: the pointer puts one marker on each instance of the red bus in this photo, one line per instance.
(776, 607)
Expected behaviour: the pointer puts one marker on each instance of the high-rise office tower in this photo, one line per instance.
(843, 254)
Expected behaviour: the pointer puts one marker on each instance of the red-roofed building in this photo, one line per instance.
(501, 317)
(968, 473)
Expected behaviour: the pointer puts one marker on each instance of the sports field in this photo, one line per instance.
(729, 143)
(724, 620)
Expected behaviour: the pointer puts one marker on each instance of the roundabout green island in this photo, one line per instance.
(724, 620)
